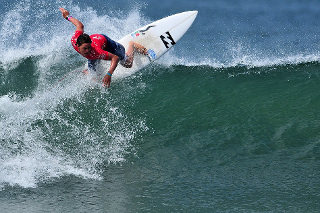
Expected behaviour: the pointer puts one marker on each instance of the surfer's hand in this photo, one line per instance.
(106, 80)
(64, 12)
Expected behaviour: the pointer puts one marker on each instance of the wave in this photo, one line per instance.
(68, 130)
(51, 128)
(243, 58)
(25, 78)
(75, 127)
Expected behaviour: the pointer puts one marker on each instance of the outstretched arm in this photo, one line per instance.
(114, 63)
(74, 21)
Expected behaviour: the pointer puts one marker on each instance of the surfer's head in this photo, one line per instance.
(84, 44)
(83, 38)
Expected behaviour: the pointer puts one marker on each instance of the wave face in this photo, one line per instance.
(228, 118)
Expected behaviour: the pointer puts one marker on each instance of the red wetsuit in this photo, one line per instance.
(99, 42)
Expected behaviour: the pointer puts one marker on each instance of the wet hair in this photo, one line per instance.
(83, 38)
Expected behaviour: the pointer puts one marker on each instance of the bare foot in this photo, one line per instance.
(140, 49)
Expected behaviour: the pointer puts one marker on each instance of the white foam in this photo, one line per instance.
(27, 156)
(239, 55)
(36, 165)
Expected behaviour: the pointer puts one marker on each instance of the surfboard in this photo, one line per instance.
(158, 37)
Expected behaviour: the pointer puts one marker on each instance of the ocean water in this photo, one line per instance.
(227, 121)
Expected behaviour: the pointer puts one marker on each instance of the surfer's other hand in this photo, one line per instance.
(106, 80)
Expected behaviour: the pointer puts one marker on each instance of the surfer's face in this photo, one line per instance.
(85, 49)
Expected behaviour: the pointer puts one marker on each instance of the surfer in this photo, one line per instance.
(98, 46)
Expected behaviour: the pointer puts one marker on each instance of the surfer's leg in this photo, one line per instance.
(115, 48)
(133, 47)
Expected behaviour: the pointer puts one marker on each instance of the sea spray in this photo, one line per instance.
(45, 132)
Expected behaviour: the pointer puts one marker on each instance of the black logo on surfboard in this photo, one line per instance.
(167, 40)
(141, 32)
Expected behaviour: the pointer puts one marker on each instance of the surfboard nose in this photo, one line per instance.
(195, 13)
(192, 14)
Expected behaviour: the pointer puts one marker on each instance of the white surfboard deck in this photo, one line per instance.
(158, 37)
